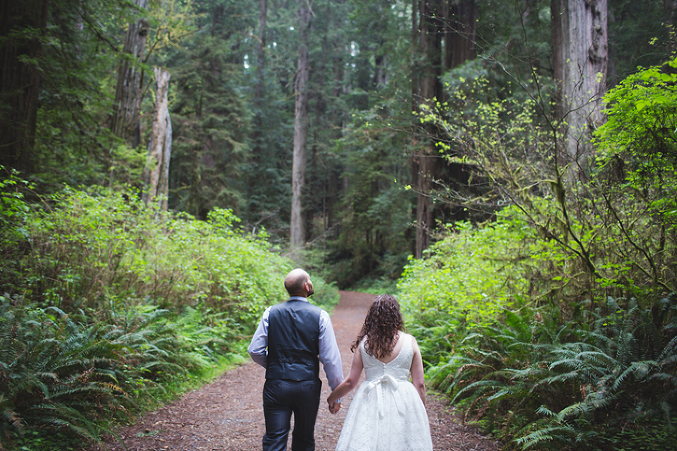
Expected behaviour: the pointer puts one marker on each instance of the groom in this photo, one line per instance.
(290, 342)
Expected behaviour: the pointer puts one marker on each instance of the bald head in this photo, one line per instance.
(298, 283)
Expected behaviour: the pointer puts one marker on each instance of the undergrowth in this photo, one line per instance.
(553, 326)
(109, 308)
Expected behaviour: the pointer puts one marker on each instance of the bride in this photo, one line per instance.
(387, 412)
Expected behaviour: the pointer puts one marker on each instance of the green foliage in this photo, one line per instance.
(56, 373)
(80, 46)
(539, 385)
(614, 230)
(476, 273)
(622, 375)
(637, 159)
(637, 151)
(93, 249)
(108, 305)
(13, 208)
(70, 374)
(583, 354)
(14, 213)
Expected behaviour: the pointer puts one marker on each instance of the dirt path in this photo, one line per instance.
(227, 415)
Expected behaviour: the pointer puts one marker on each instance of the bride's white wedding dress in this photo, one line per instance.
(386, 413)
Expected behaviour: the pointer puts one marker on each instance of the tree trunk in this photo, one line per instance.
(428, 34)
(297, 225)
(156, 172)
(460, 32)
(261, 51)
(454, 24)
(580, 49)
(125, 120)
(20, 80)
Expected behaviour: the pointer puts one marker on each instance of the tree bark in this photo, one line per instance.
(125, 120)
(297, 225)
(460, 32)
(20, 80)
(428, 34)
(444, 35)
(261, 51)
(156, 172)
(580, 50)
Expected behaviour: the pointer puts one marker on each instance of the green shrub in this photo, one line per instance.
(56, 372)
(91, 248)
(538, 385)
(478, 272)
(71, 374)
(110, 306)
(518, 319)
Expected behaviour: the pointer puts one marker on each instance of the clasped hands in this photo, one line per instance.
(334, 406)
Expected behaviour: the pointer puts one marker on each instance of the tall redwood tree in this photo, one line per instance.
(580, 58)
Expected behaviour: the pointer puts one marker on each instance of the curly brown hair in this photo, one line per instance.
(381, 327)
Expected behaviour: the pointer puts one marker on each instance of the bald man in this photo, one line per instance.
(290, 342)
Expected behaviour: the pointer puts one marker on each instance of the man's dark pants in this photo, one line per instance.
(281, 398)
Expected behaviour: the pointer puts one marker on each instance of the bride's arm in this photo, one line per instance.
(417, 375)
(349, 382)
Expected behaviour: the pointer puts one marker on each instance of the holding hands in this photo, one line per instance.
(334, 406)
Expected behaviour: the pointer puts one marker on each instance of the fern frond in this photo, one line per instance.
(563, 377)
(532, 372)
(506, 392)
(640, 371)
(555, 433)
(669, 351)
(543, 410)
(479, 387)
(665, 377)
(600, 358)
(575, 410)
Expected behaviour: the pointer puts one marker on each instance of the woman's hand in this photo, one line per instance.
(335, 406)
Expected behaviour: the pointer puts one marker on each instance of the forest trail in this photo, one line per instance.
(227, 415)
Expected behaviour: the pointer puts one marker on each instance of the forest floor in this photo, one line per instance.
(227, 415)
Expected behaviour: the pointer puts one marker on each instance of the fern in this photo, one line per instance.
(548, 386)
(548, 434)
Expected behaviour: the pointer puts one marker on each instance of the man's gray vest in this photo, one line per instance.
(293, 341)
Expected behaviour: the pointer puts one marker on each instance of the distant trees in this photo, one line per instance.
(304, 117)
(211, 116)
(22, 28)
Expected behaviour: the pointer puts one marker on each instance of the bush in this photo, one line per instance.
(105, 304)
(477, 272)
(538, 385)
(553, 326)
(94, 248)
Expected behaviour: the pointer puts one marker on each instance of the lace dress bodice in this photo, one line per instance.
(398, 368)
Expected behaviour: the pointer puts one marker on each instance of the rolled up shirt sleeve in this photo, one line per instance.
(330, 356)
(258, 348)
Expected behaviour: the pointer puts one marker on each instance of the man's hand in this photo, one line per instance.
(334, 406)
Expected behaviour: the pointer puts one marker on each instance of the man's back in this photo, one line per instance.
(293, 341)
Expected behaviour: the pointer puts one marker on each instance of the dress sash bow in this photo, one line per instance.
(385, 382)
